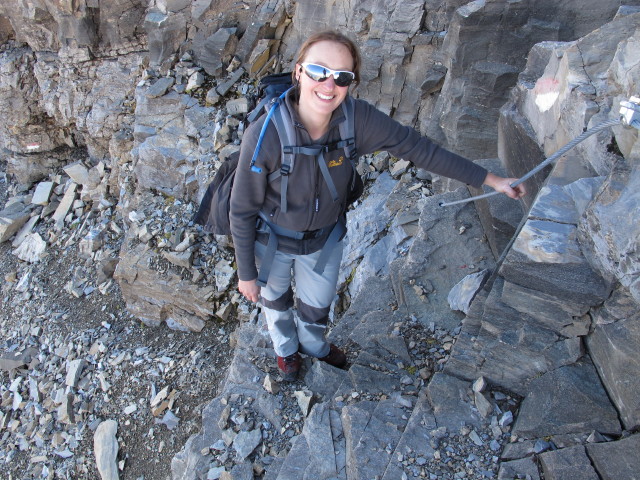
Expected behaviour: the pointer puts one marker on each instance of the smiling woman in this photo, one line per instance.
(321, 94)
(317, 109)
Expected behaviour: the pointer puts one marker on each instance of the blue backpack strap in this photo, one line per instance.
(274, 108)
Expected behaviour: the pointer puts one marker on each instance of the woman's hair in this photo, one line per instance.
(331, 36)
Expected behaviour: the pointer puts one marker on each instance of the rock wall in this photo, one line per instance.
(406, 63)
(567, 289)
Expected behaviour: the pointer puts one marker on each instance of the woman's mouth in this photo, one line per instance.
(324, 97)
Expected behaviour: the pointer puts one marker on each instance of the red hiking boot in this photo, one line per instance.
(336, 357)
(290, 366)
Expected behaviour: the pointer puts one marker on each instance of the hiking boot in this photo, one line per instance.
(290, 366)
(336, 357)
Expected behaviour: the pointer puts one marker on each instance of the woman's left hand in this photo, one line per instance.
(503, 185)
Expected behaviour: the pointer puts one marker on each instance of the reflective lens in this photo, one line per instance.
(318, 73)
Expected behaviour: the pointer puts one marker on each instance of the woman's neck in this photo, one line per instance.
(316, 125)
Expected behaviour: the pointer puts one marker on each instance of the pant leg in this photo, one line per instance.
(315, 293)
(277, 302)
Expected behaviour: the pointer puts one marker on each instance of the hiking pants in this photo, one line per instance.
(315, 293)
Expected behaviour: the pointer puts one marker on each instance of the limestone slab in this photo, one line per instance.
(546, 256)
(614, 348)
(570, 399)
(617, 460)
(567, 464)
(12, 219)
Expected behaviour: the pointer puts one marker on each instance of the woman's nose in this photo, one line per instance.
(330, 82)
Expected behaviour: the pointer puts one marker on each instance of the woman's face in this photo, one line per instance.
(322, 98)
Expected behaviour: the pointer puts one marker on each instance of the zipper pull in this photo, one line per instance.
(317, 204)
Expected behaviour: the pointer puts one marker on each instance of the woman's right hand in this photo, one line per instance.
(250, 289)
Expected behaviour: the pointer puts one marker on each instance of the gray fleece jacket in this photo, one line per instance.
(309, 201)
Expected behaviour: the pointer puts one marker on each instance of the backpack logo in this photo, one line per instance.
(336, 163)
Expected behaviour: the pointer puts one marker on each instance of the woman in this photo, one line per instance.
(326, 65)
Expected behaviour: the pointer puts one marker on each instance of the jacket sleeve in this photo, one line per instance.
(377, 131)
(248, 194)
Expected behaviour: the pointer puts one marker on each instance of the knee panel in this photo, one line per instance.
(309, 314)
(280, 304)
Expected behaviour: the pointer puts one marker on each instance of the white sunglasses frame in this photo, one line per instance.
(328, 72)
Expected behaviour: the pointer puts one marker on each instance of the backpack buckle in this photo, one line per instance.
(285, 169)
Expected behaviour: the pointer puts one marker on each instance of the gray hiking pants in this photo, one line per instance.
(315, 293)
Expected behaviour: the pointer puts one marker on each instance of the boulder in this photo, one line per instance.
(613, 347)
(156, 297)
(12, 218)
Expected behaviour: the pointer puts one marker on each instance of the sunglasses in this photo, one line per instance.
(318, 73)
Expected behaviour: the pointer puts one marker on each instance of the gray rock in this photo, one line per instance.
(567, 463)
(373, 381)
(451, 406)
(522, 468)
(463, 292)
(196, 80)
(546, 257)
(616, 460)
(614, 348)
(601, 230)
(496, 344)
(555, 313)
(247, 442)
(483, 404)
(567, 400)
(500, 215)
(312, 454)
(74, 370)
(216, 50)
(415, 438)
(224, 87)
(31, 249)
(237, 106)
(324, 380)
(178, 302)
(224, 273)
(105, 448)
(12, 218)
(366, 223)
(190, 462)
(42, 193)
(439, 258)
(78, 173)
(165, 33)
(369, 449)
(91, 242)
(305, 401)
(11, 360)
(65, 205)
(160, 87)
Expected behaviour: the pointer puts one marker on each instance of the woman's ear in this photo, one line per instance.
(298, 72)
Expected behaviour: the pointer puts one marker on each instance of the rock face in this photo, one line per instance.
(126, 110)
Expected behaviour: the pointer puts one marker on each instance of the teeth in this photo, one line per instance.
(324, 97)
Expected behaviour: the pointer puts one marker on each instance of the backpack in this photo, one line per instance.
(213, 212)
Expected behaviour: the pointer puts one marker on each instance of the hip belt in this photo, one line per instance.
(263, 225)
